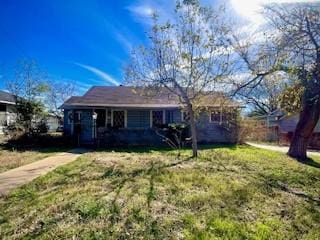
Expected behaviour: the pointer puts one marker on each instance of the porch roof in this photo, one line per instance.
(7, 98)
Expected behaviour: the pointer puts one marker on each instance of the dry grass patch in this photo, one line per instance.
(13, 158)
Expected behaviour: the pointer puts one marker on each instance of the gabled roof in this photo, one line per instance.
(121, 96)
(7, 98)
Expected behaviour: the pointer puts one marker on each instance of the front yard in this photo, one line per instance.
(228, 193)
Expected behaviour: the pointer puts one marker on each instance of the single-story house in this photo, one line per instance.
(132, 116)
(7, 110)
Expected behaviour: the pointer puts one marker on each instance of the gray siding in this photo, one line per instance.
(209, 132)
(86, 126)
(173, 116)
(66, 125)
(138, 128)
(138, 118)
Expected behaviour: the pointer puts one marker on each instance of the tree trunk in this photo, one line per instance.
(309, 118)
(193, 131)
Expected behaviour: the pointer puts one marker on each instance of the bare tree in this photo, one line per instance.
(264, 98)
(293, 48)
(29, 86)
(59, 91)
(188, 57)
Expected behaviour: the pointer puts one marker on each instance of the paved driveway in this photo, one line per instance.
(24, 174)
(278, 148)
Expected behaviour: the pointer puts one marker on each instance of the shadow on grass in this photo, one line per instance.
(148, 149)
(150, 172)
(310, 162)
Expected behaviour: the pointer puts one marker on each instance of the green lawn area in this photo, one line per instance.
(230, 192)
(15, 158)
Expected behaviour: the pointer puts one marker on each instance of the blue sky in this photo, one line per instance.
(84, 41)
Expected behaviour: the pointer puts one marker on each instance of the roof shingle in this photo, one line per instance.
(121, 96)
(7, 97)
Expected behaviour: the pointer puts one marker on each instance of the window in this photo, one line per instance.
(3, 108)
(77, 117)
(216, 117)
(219, 117)
(170, 116)
(157, 118)
(185, 116)
(109, 118)
(70, 117)
(118, 119)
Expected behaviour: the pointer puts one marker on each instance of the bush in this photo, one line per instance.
(28, 140)
(252, 130)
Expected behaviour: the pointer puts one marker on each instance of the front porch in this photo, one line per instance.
(123, 125)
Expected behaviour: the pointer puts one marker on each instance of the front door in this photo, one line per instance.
(101, 117)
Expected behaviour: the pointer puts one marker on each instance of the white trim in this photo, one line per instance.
(8, 103)
(125, 118)
(106, 120)
(71, 122)
(93, 128)
(151, 118)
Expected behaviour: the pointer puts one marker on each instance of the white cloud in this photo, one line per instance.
(141, 10)
(103, 75)
(251, 9)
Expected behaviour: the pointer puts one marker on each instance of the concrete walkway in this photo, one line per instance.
(278, 148)
(19, 176)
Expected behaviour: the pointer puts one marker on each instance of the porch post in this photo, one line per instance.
(93, 126)
(151, 119)
(111, 117)
(125, 119)
(72, 121)
(106, 123)
(163, 116)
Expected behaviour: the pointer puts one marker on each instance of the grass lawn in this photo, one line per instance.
(228, 193)
(12, 158)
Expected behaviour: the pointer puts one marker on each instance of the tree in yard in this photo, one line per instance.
(189, 57)
(290, 99)
(58, 92)
(292, 48)
(28, 85)
(264, 98)
(299, 28)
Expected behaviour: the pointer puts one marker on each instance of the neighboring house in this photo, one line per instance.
(8, 114)
(53, 122)
(132, 116)
(283, 126)
(7, 110)
(287, 126)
